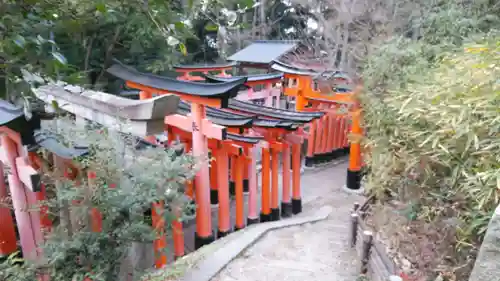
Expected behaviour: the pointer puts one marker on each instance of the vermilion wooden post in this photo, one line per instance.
(253, 216)
(354, 170)
(203, 211)
(160, 243)
(178, 234)
(223, 191)
(275, 210)
(232, 176)
(95, 215)
(323, 132)
(177, 228)
(309, 161)
(296, 196)
(248, 162)
(240, 203)
(331, 148)
(336, 135)
(214, 197)
(344, 131)
(286, 204)
(324, 135)
(45, 221)
(8, 239)
(265, 214)
(318, 138)
(327, 148)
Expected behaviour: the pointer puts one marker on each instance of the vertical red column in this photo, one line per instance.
(240, 203)
(232, 176)
(253, 216)
(275, 210)
(203, 234)
(286, 204)
(8, 239)
(214, 196)
(265, 214)
(247, 163)
(309, 161)
(296, 196)
(354, 170)
(223, 179)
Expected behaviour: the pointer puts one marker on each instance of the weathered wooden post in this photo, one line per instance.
(353, 234)
(365, 251)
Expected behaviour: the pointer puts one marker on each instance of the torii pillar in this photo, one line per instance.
(201, 129)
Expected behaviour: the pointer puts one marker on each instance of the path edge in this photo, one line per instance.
(212, 264)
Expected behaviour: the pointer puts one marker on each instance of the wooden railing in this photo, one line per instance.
(374, 263)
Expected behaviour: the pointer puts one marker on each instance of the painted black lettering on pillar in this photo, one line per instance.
(195, 127)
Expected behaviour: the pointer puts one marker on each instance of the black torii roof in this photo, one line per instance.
(222, 91)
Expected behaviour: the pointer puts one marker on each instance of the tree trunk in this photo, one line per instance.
(262, 19)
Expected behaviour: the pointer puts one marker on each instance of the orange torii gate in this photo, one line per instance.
(187, 70)
(288, 123)
(275, 131)
(238, 125)
(234, 146)
(200, 95)
(300, 83)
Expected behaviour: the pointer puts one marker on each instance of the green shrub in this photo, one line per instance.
(435, 140)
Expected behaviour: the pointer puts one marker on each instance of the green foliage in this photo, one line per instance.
(431, 112)
(76, 40)
(128, 181)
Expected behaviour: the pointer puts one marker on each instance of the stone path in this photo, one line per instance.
(315, 251)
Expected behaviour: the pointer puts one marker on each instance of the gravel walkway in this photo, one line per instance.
(316, 251)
